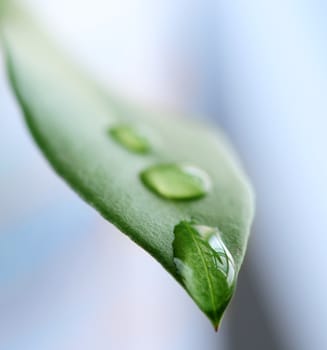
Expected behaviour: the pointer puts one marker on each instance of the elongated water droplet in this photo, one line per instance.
(176, 181)
(205, 266)
(130, 138)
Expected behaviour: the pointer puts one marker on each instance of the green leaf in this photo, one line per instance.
(157, 178)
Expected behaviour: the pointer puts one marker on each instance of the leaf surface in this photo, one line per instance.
(72, 121)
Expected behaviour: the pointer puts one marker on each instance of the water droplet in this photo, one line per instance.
(205, 266)
(131, 138)
(222, 258)
(176, 181)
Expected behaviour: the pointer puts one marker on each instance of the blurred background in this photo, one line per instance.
(69, 280)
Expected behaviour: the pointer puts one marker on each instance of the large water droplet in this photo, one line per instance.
(222, 258)
(205, 266)
(130, 138)
(176, 181)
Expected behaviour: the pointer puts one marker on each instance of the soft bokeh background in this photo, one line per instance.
(69, 280)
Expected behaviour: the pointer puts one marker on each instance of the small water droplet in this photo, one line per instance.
(176, 181)
(131, 138)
